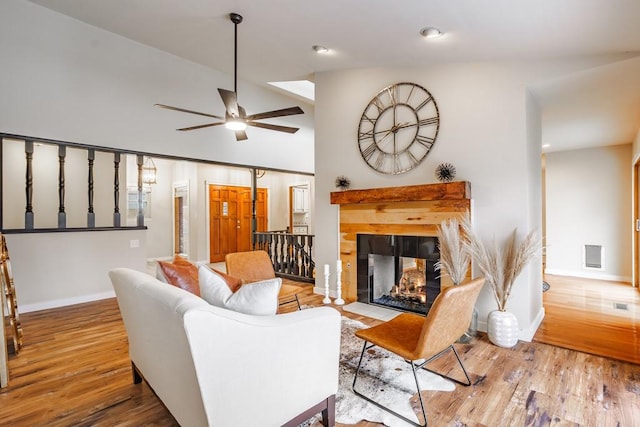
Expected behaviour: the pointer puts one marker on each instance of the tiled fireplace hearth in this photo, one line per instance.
(409, 213)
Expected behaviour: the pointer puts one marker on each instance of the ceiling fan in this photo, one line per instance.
(235, 116)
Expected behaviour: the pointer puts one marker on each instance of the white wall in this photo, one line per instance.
(535, 202)
(589, 202)
(56, 269)
(484, 110)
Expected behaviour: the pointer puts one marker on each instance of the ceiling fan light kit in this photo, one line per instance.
(236, 118)
(235, 124)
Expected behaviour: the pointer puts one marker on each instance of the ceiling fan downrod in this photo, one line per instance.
(236, 18)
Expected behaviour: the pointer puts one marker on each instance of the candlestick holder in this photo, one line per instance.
(326, 299)
(338, 300)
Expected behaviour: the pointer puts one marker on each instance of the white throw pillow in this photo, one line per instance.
(259, 298)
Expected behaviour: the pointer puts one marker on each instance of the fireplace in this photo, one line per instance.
(397, 271)
(414, 210)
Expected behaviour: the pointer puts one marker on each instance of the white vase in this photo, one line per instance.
(502, 328)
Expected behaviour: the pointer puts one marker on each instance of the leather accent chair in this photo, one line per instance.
(254, 266)
(419, 340)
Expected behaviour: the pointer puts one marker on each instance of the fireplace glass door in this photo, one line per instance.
(398, 271)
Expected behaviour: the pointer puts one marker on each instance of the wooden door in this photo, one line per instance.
(262, 220)
(244, 226)
(230, 219)
(223, 221)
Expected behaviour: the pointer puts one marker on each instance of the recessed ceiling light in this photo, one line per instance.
(546, 145)
(431, 32)
(320, 49)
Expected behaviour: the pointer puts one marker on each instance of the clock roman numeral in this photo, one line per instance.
(379, 105)
(393, 94)
(379, 161)
(425, 102)
(410, 94)
(429, 121)
(366, 135)
(369, 119)
(426, 141)
(368, 152)
(412, 159)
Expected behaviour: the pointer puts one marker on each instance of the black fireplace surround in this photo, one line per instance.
(387, 256)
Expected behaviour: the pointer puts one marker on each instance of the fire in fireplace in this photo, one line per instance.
(398, 271)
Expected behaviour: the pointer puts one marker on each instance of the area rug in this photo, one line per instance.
(385, 377)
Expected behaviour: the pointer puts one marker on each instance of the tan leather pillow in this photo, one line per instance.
(232, 282)
(178, 260)
(183, 276)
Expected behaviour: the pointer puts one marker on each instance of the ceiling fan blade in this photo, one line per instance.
(273, 127)
(201, 126)
(230, 101)
(241, 135)
(168, 107)
(276, 113)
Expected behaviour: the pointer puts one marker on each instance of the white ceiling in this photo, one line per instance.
(598, 107)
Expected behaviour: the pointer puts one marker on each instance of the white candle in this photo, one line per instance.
(339, 265)
(326, 269)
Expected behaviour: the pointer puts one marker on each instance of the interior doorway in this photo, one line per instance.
(636, 223)
(299, 208)
(230, 215)
(181, 219)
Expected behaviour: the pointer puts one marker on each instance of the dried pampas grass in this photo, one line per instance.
(454, 255)
(501, 265)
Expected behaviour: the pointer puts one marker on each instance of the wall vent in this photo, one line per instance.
(620, 306)
(594, 257)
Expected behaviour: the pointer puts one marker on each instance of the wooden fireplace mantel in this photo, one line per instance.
(426, 192)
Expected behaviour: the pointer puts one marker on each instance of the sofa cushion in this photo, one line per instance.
(184, 276)
(259, 298)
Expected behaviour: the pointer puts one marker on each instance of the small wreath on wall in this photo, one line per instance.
(342, 182)
(445, 172)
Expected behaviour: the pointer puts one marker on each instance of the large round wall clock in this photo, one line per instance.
(398, 128)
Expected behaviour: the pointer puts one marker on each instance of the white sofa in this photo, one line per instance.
(212, 366)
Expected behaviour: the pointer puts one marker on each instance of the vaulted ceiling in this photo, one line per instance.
(600, 106)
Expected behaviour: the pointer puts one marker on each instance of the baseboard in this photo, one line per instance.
(527, 334)
(320, 291)
(27, 308)
(588, 275)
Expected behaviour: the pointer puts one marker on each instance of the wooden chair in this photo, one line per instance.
(254, 266)
(419, 340)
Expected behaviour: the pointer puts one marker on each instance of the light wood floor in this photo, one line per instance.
(74, 370)
(580, 314)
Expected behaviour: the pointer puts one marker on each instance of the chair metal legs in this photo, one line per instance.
(414, 367)
(451, 347)
(291, 300)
